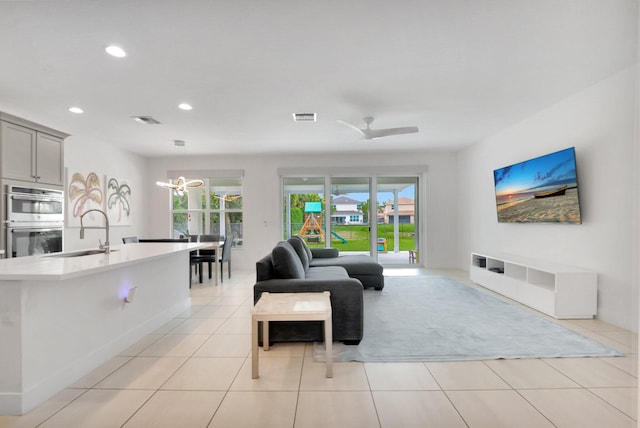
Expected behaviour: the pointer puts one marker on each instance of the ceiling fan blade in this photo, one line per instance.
(378, 133)
(355, 128)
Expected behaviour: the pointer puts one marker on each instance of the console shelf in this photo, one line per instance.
(562, 292)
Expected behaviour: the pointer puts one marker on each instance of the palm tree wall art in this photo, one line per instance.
(118, 201)
(92, 190)
(84, 193)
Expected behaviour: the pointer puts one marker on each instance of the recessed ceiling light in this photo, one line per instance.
(116, 51)
(185, 106)
(76, 110)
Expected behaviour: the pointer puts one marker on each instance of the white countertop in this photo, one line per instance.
(50, 267)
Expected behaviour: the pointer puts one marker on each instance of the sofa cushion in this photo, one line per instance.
(307, 249)
(323, 253)
(327, 273)
(298, 244)
(286, 262)
(304, 245)
(356, 264)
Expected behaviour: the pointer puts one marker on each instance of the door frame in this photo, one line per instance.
(373, 173)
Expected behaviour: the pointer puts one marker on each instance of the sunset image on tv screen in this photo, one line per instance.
(544, 189)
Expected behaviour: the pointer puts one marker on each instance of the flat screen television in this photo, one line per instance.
(539, 190)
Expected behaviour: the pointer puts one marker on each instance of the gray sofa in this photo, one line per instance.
(360, 267)
(289, 268)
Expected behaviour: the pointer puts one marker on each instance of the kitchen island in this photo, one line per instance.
(63, 315)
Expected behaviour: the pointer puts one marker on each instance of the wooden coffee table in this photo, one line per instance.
(290, 307)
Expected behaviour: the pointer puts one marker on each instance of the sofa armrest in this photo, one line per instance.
(264, 268)
(324, 253)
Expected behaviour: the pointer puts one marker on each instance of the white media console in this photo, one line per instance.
(557, 290)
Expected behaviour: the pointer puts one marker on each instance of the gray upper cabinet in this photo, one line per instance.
(31, 152)
(49, 158)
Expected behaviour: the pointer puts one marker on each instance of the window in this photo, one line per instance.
(213, 209)
(225, 208)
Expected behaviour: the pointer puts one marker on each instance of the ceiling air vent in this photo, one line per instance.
(147, 120)
(304, 117)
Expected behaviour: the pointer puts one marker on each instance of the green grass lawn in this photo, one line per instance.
(358, 237)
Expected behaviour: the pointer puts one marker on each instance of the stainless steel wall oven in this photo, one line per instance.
(35, 221)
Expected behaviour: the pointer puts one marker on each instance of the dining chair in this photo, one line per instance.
(206, 256)
(226, 257)
(191, 238)
(195, 260)
(208, 238)
(129, 239)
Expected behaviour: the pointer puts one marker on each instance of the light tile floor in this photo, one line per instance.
(196, 372)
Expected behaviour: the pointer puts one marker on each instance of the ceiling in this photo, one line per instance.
(460, 70)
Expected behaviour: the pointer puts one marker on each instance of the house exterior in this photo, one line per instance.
(345, 210)
(406, 211)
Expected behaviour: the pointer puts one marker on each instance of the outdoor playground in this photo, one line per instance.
(349, 237)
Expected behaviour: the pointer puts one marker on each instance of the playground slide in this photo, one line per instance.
(344, 241)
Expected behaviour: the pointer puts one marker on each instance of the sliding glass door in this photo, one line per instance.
(397, 220)
(304, 209)
(350, 215)
(340, 212)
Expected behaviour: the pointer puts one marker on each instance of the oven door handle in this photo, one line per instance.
(34, 229)
(28, 197)
(41, 198)
(24, 223)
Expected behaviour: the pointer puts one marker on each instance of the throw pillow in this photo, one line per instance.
(298, 245)
(286, 262)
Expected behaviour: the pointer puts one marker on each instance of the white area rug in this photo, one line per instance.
(435, 318)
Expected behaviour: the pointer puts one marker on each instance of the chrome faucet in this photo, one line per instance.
(104, 246)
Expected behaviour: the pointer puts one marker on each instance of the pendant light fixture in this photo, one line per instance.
(181, 185)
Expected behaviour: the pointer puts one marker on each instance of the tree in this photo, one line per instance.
(298, 199)
(364, 206)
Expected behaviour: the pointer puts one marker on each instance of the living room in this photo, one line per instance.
(598, 118)
(462, 183)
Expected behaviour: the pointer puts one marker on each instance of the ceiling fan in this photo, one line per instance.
(370, 134)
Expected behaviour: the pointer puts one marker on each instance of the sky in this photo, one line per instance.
(558, 167)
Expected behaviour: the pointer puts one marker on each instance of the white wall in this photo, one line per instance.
(601, 123)
(262, 200)
(82, 155)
